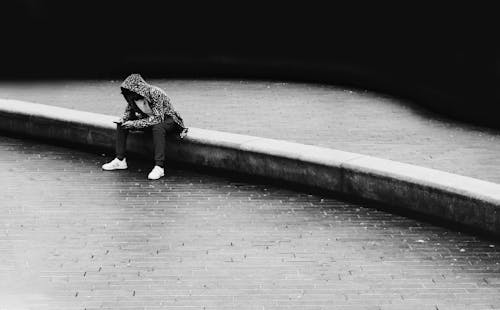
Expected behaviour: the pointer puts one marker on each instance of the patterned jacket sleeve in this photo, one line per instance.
(148, 121)
(157, 103)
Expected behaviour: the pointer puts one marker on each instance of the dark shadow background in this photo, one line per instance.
(443, 58)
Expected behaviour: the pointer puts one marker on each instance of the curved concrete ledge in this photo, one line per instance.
(463, 200)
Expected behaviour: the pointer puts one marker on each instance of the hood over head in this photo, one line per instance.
(136, 84)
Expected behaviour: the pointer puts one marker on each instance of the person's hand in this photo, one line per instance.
(127, 125)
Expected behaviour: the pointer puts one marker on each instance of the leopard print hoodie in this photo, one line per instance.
(158, 101)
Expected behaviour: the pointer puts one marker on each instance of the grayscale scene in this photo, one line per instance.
(158, 155)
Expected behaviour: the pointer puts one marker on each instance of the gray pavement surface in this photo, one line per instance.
(349, 120)
(75, 237)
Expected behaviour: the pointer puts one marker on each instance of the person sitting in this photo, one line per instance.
(148, 107)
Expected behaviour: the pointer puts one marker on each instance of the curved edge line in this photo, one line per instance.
(461, 199)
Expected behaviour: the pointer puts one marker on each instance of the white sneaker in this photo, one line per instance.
(156, 173)
(115, 164)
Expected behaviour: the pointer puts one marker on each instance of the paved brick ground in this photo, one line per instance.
(350, 120)
(75, 237)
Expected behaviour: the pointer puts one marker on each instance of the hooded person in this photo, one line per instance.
(148, 106)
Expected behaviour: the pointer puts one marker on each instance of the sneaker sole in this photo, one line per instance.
(111, 169)
(161, 176)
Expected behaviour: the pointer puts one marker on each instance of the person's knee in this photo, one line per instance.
(157, 128)
(158, 134)
(120, 128)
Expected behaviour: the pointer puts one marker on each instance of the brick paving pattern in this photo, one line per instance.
(349, 120)
(75, 237)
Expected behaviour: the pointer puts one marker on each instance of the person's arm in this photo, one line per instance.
(158, 103)
(154, 119)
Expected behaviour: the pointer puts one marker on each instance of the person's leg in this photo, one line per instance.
(159, 135)
(121, 142)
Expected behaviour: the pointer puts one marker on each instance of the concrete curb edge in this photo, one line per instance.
(466, 201)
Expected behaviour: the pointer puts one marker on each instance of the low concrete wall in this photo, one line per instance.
(466, 201)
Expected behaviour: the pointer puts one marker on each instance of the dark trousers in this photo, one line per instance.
(159, 136)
